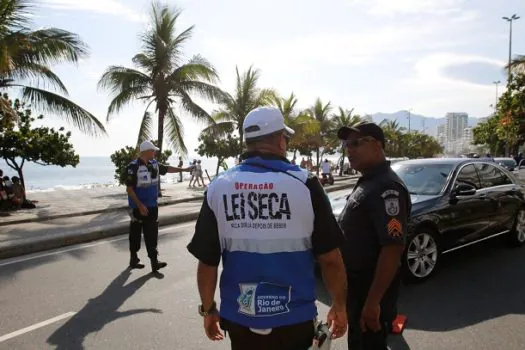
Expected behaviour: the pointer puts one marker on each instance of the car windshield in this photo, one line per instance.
(423, 179)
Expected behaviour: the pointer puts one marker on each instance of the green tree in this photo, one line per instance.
(25, 59)
(303, 123)
(234, 108)
(341, 119)
(395, 145)
(122, 157)
(321, 140)
(20, 142)
(518, 64)
(221, 147)
(511, 113)
(484, 135)
(161, 80)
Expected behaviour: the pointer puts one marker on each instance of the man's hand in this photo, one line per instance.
(337, 321)
(370, 317)
(143, 210)
(190, 168)
(212, 328)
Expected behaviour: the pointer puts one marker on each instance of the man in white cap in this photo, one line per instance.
(268, 220)
(142, 186)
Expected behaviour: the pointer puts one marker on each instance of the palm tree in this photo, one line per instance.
(394, 136)
(26, 56)
(234, 108)
(518, 64)
(303, 123)
(341, 119)
(161, 80)
(321, 113)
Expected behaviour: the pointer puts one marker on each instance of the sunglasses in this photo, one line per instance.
(357, 142)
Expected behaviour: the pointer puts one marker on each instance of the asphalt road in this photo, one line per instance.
(83, 297)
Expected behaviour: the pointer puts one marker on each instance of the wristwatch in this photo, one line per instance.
(212, 309)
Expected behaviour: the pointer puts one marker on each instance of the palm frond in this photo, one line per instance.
(40, 74)
(73, 113)
(175, 132)
(14, 14)
(219, 129)
(146, 126)
(194, 109)
(208, 91)
(197, 68)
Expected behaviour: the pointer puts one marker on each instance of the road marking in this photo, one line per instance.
(36, 326)
(86, 245)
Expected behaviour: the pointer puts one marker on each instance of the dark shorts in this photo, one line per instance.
(294, 337)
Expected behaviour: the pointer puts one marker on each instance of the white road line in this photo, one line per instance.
(35, 326)
(86, 245)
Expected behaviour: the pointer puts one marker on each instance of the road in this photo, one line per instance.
(83, 297)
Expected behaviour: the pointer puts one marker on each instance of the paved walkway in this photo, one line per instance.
(56, 204)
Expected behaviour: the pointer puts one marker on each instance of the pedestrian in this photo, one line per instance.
(142, 186)
(267, 219)
(374, 222)
(180, 165)
(198, 173)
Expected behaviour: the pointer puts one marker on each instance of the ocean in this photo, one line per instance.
(96, 172)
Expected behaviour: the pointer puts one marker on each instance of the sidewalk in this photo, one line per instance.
(45, 232)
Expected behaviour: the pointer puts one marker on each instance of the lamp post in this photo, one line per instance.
(409, 111)
(496, 103)
(510, 19)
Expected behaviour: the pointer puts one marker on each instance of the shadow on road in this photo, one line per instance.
(480, 283)
(99, 312)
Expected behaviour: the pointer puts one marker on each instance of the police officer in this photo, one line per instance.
(374, 222)
(268, 220)
(142, 186)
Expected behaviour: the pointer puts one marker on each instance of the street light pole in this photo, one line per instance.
(409, 120)
(496, 104)
(510, 19)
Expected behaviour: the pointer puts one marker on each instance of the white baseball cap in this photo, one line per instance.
(148, 146)
(264, 121)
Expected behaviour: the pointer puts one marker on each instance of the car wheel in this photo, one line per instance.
(517, 234)
(422, 255)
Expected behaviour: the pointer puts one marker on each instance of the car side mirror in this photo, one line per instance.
(464, 190)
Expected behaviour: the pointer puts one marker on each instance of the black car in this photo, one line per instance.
(455, 203)
(507, 163)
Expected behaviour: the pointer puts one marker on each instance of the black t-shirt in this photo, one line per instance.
(376, 214)
(326, 236)
(131, 171)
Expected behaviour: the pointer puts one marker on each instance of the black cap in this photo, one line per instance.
(364, 129)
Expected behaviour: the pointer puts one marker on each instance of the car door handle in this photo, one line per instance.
(483, 196)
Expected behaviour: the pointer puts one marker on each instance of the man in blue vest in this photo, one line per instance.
(142, 186)
(268, 220)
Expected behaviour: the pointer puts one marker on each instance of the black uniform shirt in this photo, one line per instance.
(376, 214)
(326, 236)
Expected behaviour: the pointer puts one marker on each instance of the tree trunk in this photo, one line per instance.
(341, 161)
(22, 182)
(160, 138)
(218, 165)
(19, 170)
(317, 156)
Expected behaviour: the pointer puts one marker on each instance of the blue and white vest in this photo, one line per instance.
(265, 220)
(147, 188)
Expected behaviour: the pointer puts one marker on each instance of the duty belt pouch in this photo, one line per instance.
(322, 337)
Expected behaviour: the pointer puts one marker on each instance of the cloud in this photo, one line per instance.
(112, 7)
(411, 7)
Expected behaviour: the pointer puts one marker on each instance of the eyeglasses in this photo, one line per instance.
(357, 142)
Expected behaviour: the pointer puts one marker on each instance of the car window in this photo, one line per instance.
(492, 176)
(468, 176)
(423, 178)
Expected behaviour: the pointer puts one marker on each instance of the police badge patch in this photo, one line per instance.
(392, 206)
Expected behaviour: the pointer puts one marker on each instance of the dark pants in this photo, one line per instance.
(358, 287)
(150, 226)
(294, 337)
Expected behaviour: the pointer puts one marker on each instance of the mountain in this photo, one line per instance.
(417, 122)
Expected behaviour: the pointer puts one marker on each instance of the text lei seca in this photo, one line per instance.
(242, 209)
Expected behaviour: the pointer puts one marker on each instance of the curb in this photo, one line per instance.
(35, 246)
(96, 211)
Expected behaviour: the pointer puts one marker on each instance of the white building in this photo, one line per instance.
(454, 126)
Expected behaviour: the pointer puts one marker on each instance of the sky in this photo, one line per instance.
(431, 56)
